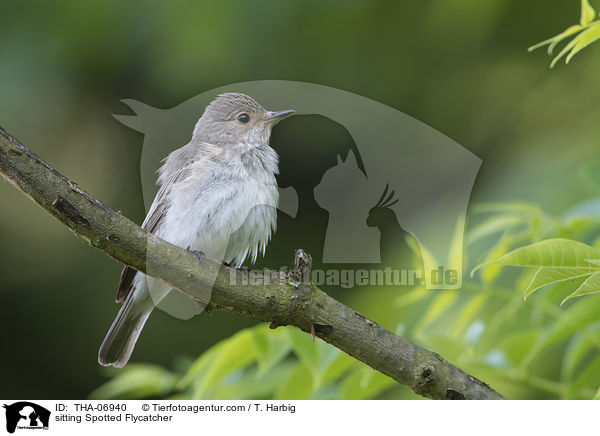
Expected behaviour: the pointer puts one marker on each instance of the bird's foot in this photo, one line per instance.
(198, 253)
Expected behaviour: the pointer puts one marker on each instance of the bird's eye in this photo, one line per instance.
(243, 118)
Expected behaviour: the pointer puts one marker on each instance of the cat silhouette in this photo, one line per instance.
(345, 192)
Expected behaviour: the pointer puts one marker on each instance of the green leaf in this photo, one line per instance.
(342, 363)
(584, 39)
(225, 358)
(569, 32)
(271, 346)
(492, 225)
(297, 386)
(578, 43)
(317, 356)
(440, 304)
(588, 378)
(590, 286)
(453, 350)
(517, 345)
(236, 352)
(490, 273)
(198, 368)
(577, 318)
(307, 351)
(555, 40)
(548, 276)
(563, 52)
(411, 297)
(587, 13)
(467, 314)
(365, 383)
(556, 253)
(254, 385)
(137, 381)
(575, 352)
(588, 30)
(519, 207)
(328, 355)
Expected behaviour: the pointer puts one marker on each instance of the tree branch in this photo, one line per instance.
(282, 302)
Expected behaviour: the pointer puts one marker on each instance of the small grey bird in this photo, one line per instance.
(218, 196)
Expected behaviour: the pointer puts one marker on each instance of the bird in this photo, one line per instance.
(398, 247)
(217, 197)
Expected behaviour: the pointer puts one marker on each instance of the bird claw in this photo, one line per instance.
(198, 253)
(242, 268)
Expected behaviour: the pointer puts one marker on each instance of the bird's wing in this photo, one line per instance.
(125, 283)
(155, 216)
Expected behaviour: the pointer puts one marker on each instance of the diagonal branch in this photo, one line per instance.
(281, 302)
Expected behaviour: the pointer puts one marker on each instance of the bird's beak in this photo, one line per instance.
(275, 117)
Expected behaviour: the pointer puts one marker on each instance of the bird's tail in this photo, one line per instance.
(118, 344)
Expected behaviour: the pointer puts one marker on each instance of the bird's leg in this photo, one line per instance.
(242, 268)
(198, 253)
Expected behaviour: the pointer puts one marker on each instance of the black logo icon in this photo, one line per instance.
(26, 415)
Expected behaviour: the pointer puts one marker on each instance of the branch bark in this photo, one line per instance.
(282, 302)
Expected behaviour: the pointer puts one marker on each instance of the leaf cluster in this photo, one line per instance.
(586, 32)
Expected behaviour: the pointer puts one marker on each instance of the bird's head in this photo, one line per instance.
(235, 118)
(381, 214)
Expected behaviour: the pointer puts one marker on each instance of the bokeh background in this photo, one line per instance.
(460, 66)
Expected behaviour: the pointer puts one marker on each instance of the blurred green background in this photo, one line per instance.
(460, 66)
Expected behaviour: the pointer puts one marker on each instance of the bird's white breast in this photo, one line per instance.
(225, 206)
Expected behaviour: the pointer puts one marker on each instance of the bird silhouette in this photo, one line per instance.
(398, 247)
